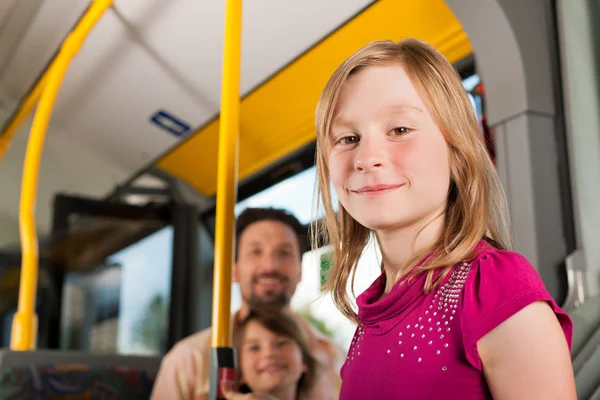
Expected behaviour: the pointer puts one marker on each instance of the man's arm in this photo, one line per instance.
(329, 356)
(175, 377)
(183, 374)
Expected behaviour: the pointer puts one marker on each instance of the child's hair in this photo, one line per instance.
(283, 324)
(476, 207)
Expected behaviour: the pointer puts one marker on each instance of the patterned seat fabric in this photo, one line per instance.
(74, 382)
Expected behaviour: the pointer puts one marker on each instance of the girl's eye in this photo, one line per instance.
(348, 140)
(402, 130)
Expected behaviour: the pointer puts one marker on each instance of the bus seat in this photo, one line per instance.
(67, 375)
(586, 320)
(576, 274)
(587, 350)
(596, 395)
(587, 379)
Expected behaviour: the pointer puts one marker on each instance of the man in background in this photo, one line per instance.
(268, 268)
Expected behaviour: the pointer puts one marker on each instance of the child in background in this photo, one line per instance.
(273, 357)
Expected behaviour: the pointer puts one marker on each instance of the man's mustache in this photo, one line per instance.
(272, 275)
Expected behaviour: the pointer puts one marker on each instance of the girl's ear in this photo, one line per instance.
(304, 367)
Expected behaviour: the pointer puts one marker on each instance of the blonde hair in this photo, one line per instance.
(476, 207)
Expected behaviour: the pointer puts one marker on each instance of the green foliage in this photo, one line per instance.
(151, 328)
(326, 262)
(316, 322)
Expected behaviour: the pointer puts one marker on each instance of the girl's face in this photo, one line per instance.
(389, 161)
(269, 361)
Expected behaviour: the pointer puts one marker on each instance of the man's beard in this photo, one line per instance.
(276, 301)
(270, 299)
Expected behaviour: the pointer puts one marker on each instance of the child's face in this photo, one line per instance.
(389, 161)
(269, 361)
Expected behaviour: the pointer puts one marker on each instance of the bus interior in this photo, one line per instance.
(126, 201)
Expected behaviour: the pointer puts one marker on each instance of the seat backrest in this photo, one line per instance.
(69, 375)
(596, 395)
(586, 351)
(576, 270)
(586, 320)
(588, 377)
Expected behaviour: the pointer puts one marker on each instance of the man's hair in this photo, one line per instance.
(251, 215)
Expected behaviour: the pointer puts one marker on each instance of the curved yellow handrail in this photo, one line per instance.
(81, 30)
(22, 113)
(24, 328)
(227, 175)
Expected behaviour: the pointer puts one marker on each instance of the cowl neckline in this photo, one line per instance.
(406, 294)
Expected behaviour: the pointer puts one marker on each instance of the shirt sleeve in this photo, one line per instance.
(499, 285)
(328, 356)
(182, 374)
(329, 382)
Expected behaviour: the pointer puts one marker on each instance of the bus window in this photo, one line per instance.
(318, 307)
(144, 314)
(91, 310)
(475, 90)
(122, 307)
(294, 194)
(46, 300)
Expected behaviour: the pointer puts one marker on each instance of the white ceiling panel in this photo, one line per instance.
(144, 56)
(48, 27)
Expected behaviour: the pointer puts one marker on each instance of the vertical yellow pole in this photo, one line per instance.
(24, 328)
(227, 175)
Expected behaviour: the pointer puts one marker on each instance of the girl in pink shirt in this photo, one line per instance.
(455, 314)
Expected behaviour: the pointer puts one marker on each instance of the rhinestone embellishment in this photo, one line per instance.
(443, 310)
(355, 345)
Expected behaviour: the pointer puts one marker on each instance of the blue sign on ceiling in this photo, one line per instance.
(170, 123)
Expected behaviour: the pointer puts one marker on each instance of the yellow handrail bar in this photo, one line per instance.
(24, 327)
(227, 175)
(21, 114)
(83, 27)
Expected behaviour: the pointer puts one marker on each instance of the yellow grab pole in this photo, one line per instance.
(223, 358)
(85, 24)
(227, 174)
(24, 327)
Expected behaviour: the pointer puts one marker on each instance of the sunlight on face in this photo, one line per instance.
(268, 361)
(389, 161)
